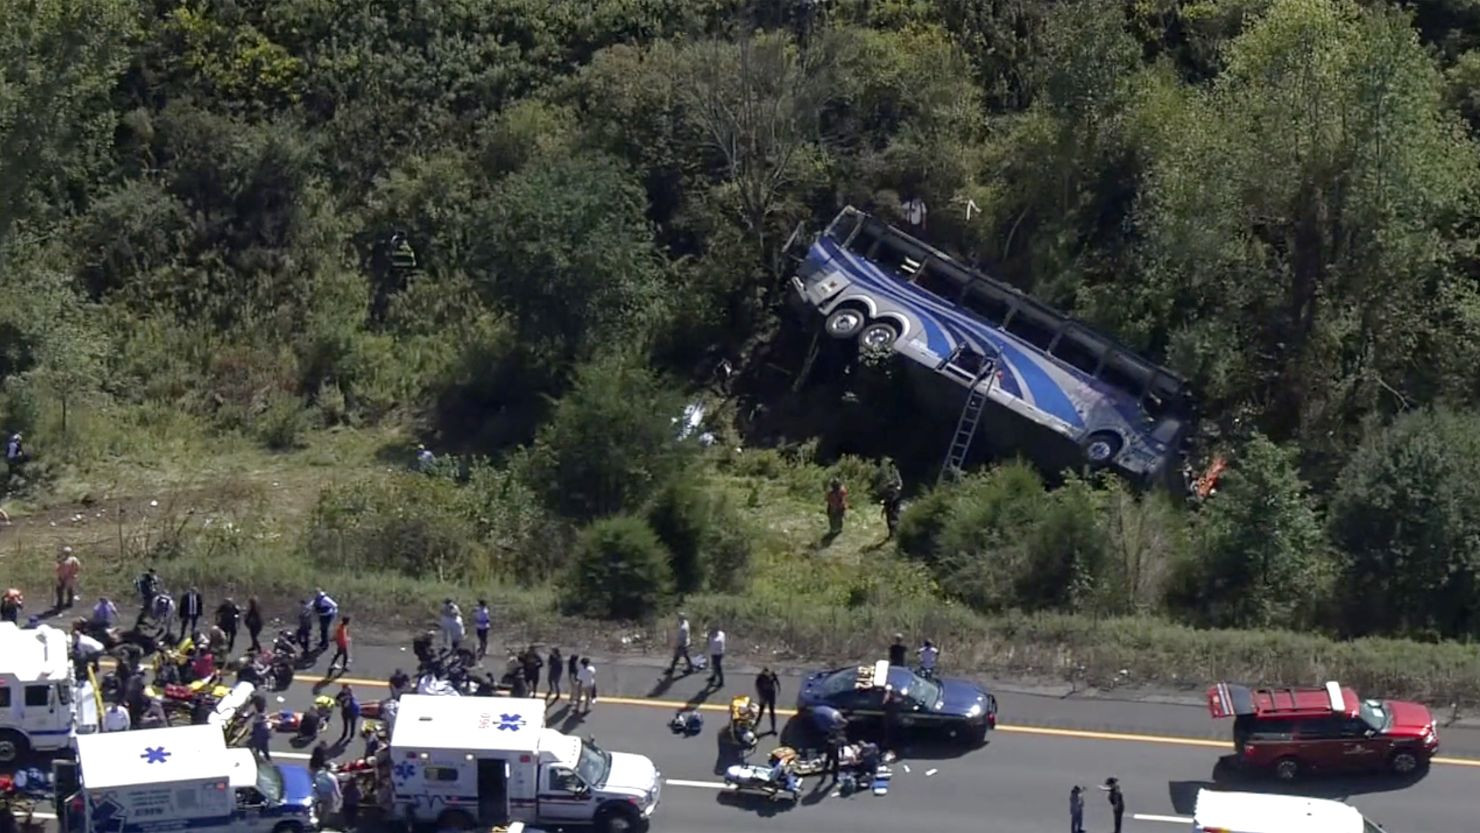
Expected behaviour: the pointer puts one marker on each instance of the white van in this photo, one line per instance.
(470, 762)
(185, 778)
(1231, 812)
(42, 706)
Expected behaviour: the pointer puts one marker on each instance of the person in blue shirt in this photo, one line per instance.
(349, 713)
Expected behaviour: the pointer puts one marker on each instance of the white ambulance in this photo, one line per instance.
(181, 778)
(42, 706)
(475, 762)
(1232, 812)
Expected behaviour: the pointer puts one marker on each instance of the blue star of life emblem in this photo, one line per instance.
(510, 722)
(154, 755)
(404, 771)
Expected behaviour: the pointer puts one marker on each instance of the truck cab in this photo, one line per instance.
(185, 777)
(42, 706)
(470, 762)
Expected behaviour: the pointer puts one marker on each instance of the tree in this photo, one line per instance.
(1261, 552)
(567, 254)
(59, 60)
(1406, 516)
(610, 441)
(620, 572)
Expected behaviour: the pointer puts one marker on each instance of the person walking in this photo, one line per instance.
(341, 645)
(228, 618)
(681, 641)
(530, 664)
(253, 621)
(837, 506)
(767, 686)
(572, 671)
(305, 624)
(1116, 798)
(452, 624)
(1076, 809)
(716, 657)
(349, 714)
(326, 608)
(191, 607)
(897, 650)
(261, 737)
(586, 685)
(68, 568)
(554, 670)
(482, 621)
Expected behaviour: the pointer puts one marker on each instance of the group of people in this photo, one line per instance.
(891, 501)
(714, 649)
(927, 655)
(1113, 795)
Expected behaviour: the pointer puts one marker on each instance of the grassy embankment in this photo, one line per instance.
(231, 518)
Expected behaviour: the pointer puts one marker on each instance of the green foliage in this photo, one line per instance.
(708, 542)
(610, 441)
(402, 523)
(1261, 557)
(1406, 516)
(621, 571)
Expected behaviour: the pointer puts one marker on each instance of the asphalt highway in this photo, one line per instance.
(1018, 783)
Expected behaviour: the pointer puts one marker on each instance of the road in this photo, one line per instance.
(1018, 783)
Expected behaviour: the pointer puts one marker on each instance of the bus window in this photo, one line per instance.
(844, 226)
(988, 303)
(1125, 374)
(863, 242)
(1033, 327)
(934, 281)
(1078, 350)
(1164, 397)
(896, 256)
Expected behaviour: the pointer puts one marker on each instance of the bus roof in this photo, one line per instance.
(1234, 812)
(110, 760)
(483, 724)
(30, 655)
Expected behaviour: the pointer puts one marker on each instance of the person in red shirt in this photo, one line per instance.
(837, 506)
(68, 568)
(341, 644)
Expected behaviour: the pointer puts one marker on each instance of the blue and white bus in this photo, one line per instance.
(871, 281)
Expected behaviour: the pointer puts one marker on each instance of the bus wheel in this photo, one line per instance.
(845, 322)
(1101, 447)
(879, 335)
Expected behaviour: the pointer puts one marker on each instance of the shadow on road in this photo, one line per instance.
(1228, 778)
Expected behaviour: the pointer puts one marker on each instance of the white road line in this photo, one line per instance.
(707, 785)
(1167, 819)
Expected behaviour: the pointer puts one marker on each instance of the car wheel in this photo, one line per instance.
(288, 827)
(616, 820)
(1405, 762)
(879, 335)
(13, 745)
(845, 322)
(1287, 769)
(1101, 447)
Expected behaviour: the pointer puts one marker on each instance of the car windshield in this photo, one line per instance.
(923, 691)
(1375, 716)
(269, 782)
(594, 764)
(839, 682)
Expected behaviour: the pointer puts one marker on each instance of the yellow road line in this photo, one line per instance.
(1077, 734)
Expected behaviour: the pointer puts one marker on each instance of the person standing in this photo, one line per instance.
(228, 618)
(832, 763)
(305, 624)
(341, 645)
(191, 607)
(104, 613)
(349, 714)
(554, 669)
(767, 686)
(253, 621)
(572, 671)
(452, 624)
(897, 650)
(530, 663)
(1076, 809)
(586, 685)
(893, 498)
(716, 657)
(11, 605)
(400, 682)
(1116, 798)
(115, 718)
(837, 506)
(929, 655)
(261, 737)
(482, 621)
(681, 641)
(327, 609)
(68, 568)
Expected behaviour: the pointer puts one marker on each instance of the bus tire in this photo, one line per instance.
(13, 746)
(879, 335)
(845, 322)
(455, 820)
(1101, 447)
(617, 818)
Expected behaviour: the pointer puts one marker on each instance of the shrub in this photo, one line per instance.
(282, 423)
(404, 522)
(708, 541)
(621, 570)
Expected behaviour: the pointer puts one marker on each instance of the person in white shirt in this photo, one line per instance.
(452, 624)
(915, 211)
(681, 642)
(716, 657)
(928, 656)
(115, 718)
(586, 685)
(326, 608)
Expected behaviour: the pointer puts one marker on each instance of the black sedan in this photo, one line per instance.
(957, 708)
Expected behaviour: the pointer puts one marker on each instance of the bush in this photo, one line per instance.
(621, 571)
(708, 541)
(404, 522)
(282, 423)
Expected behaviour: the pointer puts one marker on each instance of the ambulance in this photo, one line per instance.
(1232, 812)
(468, 763)
(180, 778)
(42, 706)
